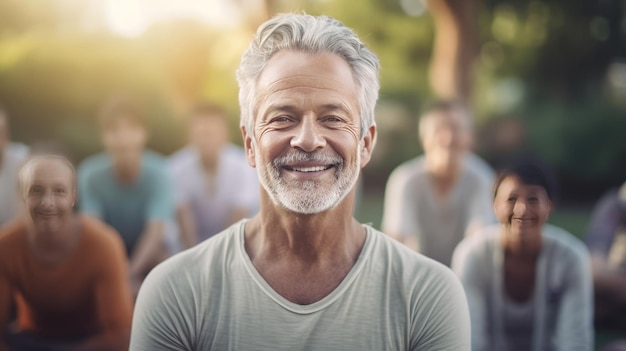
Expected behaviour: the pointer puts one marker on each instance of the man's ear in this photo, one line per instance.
(367, 145)
(248, 145)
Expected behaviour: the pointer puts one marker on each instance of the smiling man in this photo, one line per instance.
(65, 274)
(303, 273)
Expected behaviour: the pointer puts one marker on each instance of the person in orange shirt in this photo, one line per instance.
(63, 276)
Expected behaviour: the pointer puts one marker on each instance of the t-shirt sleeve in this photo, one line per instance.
(444, 324)
(88, 200)
(397, 215)
(575, 314)
(160, 321)
(466, 264)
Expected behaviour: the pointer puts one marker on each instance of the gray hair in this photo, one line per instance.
(310, 34)
(25, 173)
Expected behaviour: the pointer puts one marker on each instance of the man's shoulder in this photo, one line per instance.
(11, 236)
(101, 235)
(409, 169)
(94, 164)
(204, 259)
(153, 159)
(398, 257)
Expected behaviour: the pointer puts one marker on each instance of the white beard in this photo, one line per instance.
(309, 196)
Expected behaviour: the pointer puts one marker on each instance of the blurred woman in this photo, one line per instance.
(528, 283)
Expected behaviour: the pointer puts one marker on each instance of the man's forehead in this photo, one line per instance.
(318, 68)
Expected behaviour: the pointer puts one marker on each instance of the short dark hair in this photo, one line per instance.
(120, 108)
(529, 172)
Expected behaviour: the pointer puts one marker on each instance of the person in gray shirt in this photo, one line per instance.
(303, 274)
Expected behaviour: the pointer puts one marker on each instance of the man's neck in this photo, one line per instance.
(304, 257)
(444, 179)
(277, 232)
(126, 171)
(209, 163)
(56, 246)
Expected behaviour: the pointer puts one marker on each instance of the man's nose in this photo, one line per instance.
(47, 199)
(308, 135)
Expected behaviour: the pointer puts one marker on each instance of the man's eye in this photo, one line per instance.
(331, 119)
(281, 119)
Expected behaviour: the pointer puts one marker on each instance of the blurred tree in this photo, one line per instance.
(455, 47)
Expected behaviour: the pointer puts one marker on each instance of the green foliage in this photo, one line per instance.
(546, 61)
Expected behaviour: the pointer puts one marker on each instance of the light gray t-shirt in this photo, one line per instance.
(562, 302)
(211, 297)
(413, 209)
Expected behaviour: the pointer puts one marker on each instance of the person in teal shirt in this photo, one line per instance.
(128, 187)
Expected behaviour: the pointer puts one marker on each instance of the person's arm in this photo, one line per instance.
(466, 264)
(603, 227)
(150, 248)
(574, 329)
(148, 252)
(188, 234)
(606, 278)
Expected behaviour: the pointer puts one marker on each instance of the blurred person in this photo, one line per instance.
(606, 240)
(433, 201)
(12, 155)
(128, 187)
(214, 186)
(303, 273)
(528, 283)
(64, 275)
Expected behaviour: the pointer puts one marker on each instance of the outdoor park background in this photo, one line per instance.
(542, 76)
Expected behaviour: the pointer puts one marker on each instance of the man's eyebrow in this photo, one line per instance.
(337, 106)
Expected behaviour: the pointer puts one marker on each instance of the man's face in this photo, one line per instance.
(306, 143)
(125, 138)
(445, 138)
(208, 134)
(49, 196)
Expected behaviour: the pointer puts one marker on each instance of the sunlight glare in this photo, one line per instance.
(132, 17)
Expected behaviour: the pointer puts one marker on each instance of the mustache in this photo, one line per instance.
(300, 156)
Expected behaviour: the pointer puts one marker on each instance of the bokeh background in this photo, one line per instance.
(547, 77)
